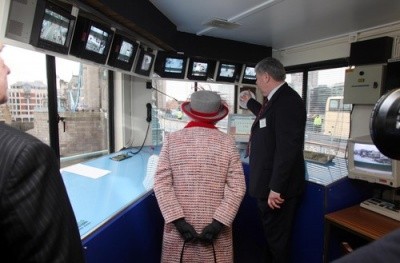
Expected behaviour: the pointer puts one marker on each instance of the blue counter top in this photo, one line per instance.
(96, 201)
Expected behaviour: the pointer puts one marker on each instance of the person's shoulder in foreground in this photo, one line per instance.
(37, 223)
(383, 250)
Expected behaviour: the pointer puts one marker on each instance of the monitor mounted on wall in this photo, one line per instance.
(249, 74)
(200, 69)
(92, 40)
(170, 65)
(52, 27)
(123, 52)
(144, 62)
(228, 71)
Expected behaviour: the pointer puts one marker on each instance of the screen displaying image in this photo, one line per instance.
(249, 73)
(125, 52)
(54, 27)
(173, 65)
(97, 40)
(368, 157)
(199, 68)
(146, 63)
(227, 70)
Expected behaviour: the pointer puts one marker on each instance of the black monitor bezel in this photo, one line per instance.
(40, 12)
(113, 60)
(247, 80)
(139, 61)
(80, 39)
(236, 73)
(160, 69)
(209, 72)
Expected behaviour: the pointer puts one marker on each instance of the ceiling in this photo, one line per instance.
(280, 24)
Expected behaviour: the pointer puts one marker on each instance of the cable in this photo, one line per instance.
(164, 94)
(141, 147)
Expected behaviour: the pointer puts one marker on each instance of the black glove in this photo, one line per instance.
(185, 229)
(211, 231)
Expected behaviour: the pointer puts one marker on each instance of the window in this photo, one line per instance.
(82, 95)
(328, 119)
(295, 80)
(26, 83)
(170, 94)
(82, 98)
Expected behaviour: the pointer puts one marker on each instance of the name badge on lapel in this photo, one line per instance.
(263, 123)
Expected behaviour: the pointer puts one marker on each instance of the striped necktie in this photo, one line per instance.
(260, 112)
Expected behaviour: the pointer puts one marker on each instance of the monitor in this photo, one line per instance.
(228, 71)
(123, 52)
(200, 69)
(366, 162)
(92, 40)
(52, 27)
(249, 74)
(170, 65)
(144, 62)
(239, 126)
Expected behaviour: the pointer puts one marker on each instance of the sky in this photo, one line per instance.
(26, 65)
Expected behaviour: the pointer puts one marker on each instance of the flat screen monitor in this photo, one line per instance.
(122, 53)
(170, 65)
(52, 27)
(144, 62)
(366, 162)
(91, 40)
(228, 72)
(200, 69)
(249, 74)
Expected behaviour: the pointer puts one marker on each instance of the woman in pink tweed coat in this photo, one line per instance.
(199, 185)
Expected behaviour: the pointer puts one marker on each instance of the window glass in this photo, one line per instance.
(168, 97)
(295, 80)
(82, 92)
(328, 119)
(26, 108)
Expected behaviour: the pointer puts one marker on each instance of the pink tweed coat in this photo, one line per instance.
(199, 177)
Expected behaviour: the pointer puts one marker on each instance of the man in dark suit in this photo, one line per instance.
(277, 169)
(37, 223)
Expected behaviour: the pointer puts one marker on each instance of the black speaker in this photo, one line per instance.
(372, 51)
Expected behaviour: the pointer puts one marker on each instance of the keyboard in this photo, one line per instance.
(382, 207)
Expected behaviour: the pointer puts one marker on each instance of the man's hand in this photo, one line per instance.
(275, 200)
(244, 97)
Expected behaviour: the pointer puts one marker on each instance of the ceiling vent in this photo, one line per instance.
(221, 23)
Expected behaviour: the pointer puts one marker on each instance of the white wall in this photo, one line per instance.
(339, 47)
(133, 122)
(336, 47)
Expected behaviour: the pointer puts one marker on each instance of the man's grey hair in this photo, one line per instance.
(272, 67)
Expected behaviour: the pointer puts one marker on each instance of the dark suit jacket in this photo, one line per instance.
(37, 223)
(276, 156)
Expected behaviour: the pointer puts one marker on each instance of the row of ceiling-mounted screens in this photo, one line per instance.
(55, 29)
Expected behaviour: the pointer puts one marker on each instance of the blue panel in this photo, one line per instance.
(308, 237)
(248, 239)
(347, 192)
(134, 236)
